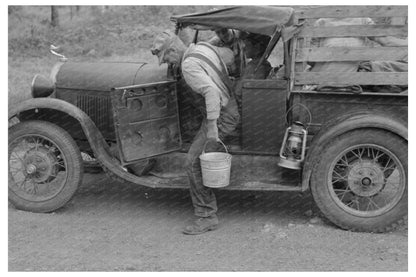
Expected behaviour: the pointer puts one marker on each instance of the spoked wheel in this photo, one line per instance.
(361, 181)
(45, 166)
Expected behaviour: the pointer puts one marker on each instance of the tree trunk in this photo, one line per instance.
(54, 16)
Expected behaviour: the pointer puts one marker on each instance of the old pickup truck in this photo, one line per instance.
(348, 148)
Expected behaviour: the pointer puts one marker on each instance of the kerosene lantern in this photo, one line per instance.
(292, 152)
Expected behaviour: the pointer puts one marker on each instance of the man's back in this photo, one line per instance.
(208, 68)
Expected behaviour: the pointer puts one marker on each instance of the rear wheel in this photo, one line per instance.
(45, 166)
(360, 182)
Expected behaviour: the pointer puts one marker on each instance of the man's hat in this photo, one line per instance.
(161, 43)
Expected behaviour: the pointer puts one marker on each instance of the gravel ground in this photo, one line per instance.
(110, 226)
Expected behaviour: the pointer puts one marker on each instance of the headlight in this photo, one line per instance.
(42, 86)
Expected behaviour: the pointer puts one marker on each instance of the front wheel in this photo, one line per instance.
(360, 182)
(45, 166)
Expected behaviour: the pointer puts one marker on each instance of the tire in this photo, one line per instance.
(360, 181)
(45, 166)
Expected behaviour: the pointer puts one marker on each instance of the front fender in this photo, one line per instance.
(97, 142)
(344, 124)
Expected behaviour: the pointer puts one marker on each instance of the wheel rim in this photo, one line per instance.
(366, 180)
(37, 168)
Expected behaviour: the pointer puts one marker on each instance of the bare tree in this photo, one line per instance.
(54, 16)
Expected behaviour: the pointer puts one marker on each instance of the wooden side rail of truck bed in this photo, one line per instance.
(389, 21)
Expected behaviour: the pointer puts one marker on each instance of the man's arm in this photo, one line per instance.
(201, 83)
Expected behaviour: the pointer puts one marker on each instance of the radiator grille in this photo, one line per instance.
(96, 104)
(97, 107)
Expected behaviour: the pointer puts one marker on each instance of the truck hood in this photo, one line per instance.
(103, 76)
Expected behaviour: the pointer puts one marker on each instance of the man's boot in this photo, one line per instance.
(202, 225)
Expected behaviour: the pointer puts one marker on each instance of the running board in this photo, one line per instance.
(248, 172)
(182, 183)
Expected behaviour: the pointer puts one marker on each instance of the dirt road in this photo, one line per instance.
(121, 227)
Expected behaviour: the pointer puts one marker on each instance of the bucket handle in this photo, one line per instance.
(205, 145)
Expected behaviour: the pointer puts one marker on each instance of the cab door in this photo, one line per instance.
(146, 120)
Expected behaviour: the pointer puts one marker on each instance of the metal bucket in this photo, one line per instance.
(216, 168)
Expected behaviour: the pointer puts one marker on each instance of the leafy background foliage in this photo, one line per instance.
(100, 31)
(94, 33)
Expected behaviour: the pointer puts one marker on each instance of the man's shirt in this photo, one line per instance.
(203, 79)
